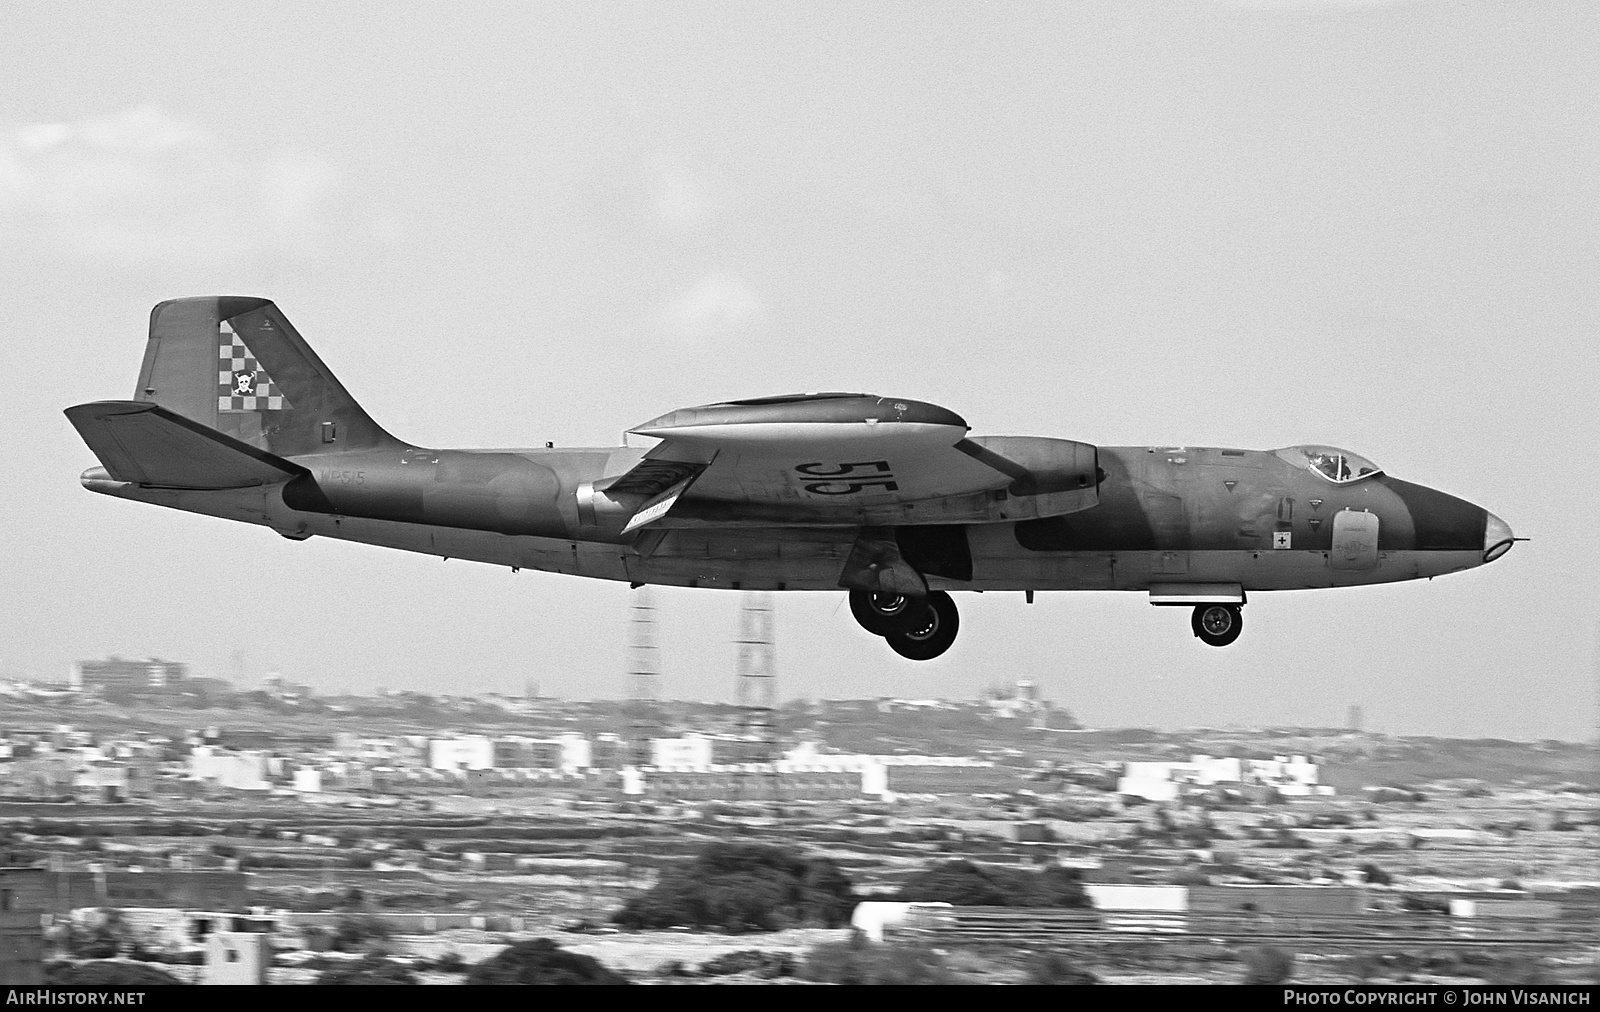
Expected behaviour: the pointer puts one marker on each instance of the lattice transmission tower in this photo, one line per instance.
(644, 678)
(758, 678)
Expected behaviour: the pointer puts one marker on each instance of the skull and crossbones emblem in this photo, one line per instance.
(244, 383)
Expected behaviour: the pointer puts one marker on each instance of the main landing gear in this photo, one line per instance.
(1217, 625)
(917, 629)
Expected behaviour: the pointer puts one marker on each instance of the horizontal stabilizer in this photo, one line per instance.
(142, 442)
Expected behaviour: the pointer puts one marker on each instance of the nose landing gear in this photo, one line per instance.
(1217, 625)
(918, 630)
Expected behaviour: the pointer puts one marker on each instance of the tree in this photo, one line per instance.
(369, 969)
(826, 894)
(542, 961)
(1420, 904)
(961, 883)
(450, 961)
(765, 965)
(102, 938)
(356, 933)
(1268, 965)
(966, 884)
(744, 887)
(859, 961)
(112, 973)
(1058, 968)
(1053, 887)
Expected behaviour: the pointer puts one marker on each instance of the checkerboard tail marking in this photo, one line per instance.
(242, 384)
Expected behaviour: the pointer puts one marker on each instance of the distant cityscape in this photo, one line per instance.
(627, 744)
(147, 806)
(636, 747)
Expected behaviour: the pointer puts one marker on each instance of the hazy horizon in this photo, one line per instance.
(1231, 222)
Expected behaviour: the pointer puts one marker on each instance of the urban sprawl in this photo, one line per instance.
(157, 827)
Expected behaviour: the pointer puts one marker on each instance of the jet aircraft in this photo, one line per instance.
(888, 498)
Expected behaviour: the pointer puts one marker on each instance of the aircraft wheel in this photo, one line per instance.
(932, 629)
(882, 614)
(1217, 624)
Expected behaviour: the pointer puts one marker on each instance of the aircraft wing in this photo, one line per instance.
(845, 460)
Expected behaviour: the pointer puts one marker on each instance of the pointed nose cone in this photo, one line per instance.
(1497, 537)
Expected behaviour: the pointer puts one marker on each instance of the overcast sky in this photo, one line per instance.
(1370, 224)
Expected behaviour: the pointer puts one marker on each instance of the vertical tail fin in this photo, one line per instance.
(237, 365)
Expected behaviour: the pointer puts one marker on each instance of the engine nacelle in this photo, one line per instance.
(1050, 465)
(1049, 476)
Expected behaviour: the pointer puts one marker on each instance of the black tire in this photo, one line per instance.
(932, 629)
(1217, 625)
(882, 614)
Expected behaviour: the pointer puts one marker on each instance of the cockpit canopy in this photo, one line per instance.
(1338, 466)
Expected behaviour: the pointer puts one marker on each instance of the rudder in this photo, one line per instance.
(237, 365)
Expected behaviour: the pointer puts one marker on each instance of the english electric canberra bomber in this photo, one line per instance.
(890, 499)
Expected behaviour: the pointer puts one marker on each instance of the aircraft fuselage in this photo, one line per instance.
(1165, 515)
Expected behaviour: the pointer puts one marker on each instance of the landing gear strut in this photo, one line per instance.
(1217, 625)
(918, 630)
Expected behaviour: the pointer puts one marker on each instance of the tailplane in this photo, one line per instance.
(236, 365)
(148, 445)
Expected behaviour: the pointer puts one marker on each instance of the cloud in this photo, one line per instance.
(679, 198)
(146, 185)
(718, 305)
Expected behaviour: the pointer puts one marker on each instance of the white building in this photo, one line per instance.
(239, 771)
(1025, 699)
(237, 957)
(576, 754)
(103, 778)
(570, 753)
(1290, 776)
(691, 750)
(1137, 896)
(875, 780)
(874, 917)
(473, 752)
